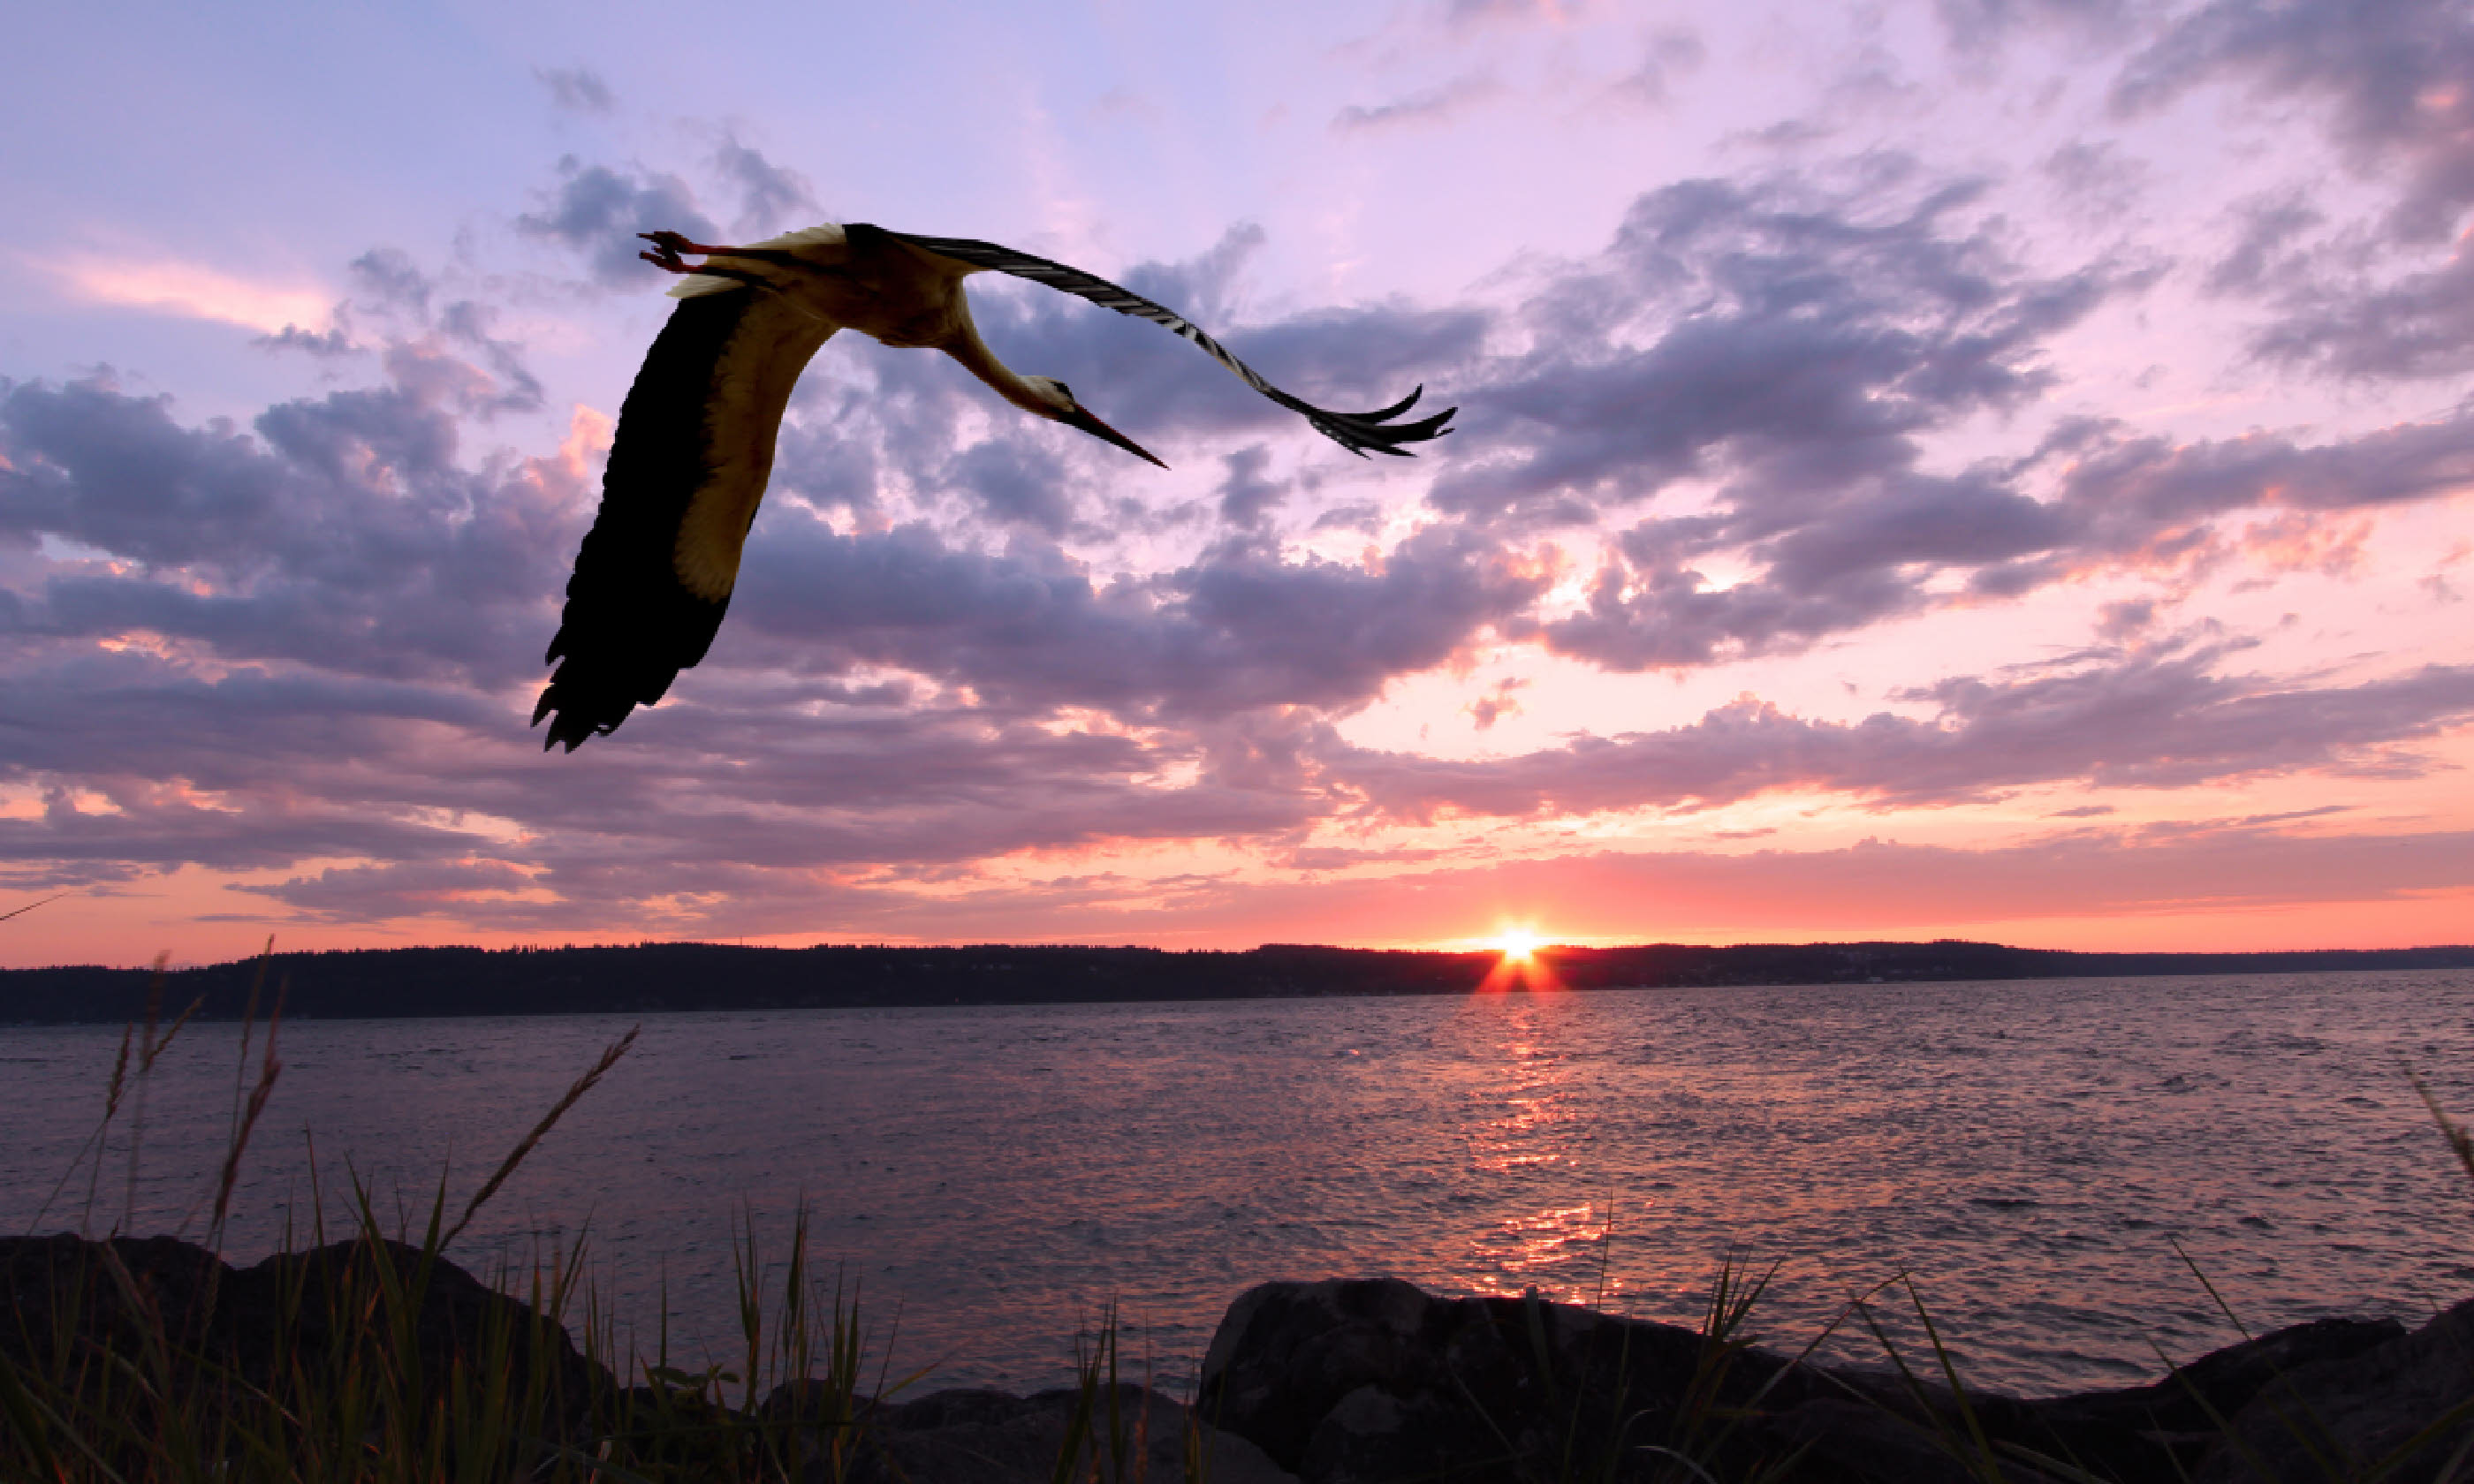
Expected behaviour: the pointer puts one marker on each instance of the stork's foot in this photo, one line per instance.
(666, 248)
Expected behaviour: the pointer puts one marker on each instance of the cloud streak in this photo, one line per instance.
(196, 291)
(2156, 721)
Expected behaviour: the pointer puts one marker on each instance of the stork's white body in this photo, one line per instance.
(899, 296)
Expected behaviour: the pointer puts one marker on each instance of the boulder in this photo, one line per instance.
(62, 1286)
(2400, 1412)
(1368, 1382)
(299, 1306)
(976, 1436)
(2158, 1432)
(2163, 1429)
(1374, 1382)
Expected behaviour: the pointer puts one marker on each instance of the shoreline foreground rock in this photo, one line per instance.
(1375, 1381)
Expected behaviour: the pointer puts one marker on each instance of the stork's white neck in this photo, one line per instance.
(974, 353)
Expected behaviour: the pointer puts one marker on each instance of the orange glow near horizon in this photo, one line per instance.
(1521, 965)
(194, 914)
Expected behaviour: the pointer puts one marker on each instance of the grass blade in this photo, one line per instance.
(558, 1110)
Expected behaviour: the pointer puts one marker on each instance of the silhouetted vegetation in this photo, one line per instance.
(655, 977)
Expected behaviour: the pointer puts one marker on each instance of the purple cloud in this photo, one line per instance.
(1797, 337)
(2145, 720)
(1029, 630)
(340, 532)
(577, 89)
(597, 210)
(2417, 325)
(2393, 71)
(771, 198)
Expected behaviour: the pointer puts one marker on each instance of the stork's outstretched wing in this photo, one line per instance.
(1355, 431)
(687, 465)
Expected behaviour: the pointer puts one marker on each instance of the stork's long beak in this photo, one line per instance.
(1081, 418)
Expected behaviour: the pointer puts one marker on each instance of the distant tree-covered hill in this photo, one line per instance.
(692, 976)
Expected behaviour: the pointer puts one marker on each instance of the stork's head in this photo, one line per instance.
(1058, 403)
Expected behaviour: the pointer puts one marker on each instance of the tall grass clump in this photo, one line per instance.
(358, 1355)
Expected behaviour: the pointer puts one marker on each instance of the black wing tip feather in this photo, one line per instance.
(567, 721)
(1361, 431)
(579, 710)
(1397, 408)
(588, 696)
(570, 725)
(562, 705)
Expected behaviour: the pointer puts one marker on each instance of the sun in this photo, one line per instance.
(1518, 944)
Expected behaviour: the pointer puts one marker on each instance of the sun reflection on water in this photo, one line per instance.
(1545, 1242)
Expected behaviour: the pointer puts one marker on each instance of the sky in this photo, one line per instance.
(1997, 469)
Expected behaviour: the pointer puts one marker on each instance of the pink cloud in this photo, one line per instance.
(194, 291)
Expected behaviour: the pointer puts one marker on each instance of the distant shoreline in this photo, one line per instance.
(686, 977)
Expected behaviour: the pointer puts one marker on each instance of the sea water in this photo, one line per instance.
(2034, 1159)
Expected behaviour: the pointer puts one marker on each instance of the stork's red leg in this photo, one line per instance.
(666, 248)
(675, 243)
(667, 245)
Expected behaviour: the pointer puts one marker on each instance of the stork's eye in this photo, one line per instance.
(1064, 390)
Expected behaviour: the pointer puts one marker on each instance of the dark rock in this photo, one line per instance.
(1374, 1382)
(976, 1436)
(292, 1310)
(1286, 1353)
(2369, 1414)
(2162, 1429)
(1850, 1442)
(454, 1314)
(63, 1288)
(131, 1342)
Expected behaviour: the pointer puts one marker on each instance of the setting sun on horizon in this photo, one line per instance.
(1518, 964)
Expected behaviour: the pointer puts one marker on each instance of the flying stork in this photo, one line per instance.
(694, 444)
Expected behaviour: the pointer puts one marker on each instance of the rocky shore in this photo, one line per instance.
(1377, 1382)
